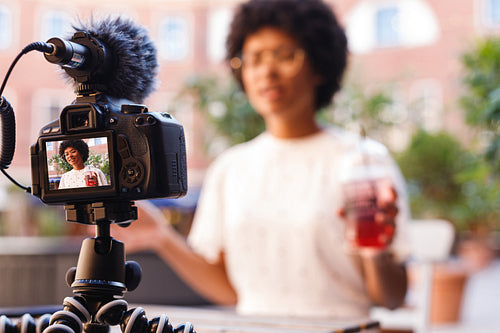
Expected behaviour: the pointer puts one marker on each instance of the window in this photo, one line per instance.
(387, 26)
(218, 28)
(427, 104)
(97, 141)
(5, 27)
(174, 37)
(391, 23)
(492, 12)
(55, 24)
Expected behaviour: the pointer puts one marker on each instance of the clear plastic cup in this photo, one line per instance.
(365, 184)
(90, 178)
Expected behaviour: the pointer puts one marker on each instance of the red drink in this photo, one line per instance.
(369, 234)
(362, 228)
(90, 178)
(367, 187)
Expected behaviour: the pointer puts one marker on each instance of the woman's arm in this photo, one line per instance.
(153, 232)
(208, 279)
(385, 279)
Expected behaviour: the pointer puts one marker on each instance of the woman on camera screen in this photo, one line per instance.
(76, 153)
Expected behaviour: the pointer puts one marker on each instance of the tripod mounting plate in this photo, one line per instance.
(97, 212)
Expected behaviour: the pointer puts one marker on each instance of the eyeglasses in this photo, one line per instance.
(288, 61)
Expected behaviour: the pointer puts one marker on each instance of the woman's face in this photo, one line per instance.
(74, 158)
(277, 76)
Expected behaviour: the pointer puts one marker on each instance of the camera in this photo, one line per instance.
(126, 152)
(141, 154)
(106, 149)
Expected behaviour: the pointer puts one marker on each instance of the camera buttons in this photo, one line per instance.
(134, 108)
(132, 171)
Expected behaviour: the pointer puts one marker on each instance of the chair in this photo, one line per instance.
(430, 242)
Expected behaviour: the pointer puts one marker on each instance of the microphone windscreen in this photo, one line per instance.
(135, 65)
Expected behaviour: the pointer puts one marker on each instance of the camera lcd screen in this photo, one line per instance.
(78, 163)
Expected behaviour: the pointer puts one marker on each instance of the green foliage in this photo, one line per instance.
(99, 161)
(225, 106)
(50, 221)
(429, 165)
(357, 108)
(481, 103)
(447, 181)
(61, 165)
(367, 108)
(481, 191)
(481, 99)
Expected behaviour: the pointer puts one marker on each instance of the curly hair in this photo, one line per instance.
(79, 145)
(311, 23)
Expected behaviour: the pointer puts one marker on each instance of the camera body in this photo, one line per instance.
(141, 154)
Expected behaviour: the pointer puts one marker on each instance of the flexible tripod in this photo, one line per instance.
(98, 281)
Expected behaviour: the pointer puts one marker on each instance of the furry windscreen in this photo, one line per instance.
(135, 67)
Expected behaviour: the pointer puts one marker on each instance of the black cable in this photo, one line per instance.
(7, 119)
(38, 46)
(26, 188)
(8, 133)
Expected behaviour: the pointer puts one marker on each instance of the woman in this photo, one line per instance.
(268, 230)
(76, 153)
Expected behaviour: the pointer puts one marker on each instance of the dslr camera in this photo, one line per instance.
(142, 153)
(130, 153)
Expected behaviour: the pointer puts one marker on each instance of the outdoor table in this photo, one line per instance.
(212, 319)
(216, 319)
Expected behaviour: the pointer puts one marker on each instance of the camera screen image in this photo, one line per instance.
(77, 163)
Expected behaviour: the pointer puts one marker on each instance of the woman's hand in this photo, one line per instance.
(383, 216)
(387, 211)
(146, 233)
(152, 231)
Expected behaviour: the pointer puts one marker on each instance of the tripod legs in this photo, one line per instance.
(75, 318)
(26, 324)
(99, 280)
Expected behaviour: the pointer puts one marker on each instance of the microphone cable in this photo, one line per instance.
(7, 118)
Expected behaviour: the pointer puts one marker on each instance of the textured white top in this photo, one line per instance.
(76, 178)
(271, 206)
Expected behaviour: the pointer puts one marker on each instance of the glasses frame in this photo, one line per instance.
(238, 63)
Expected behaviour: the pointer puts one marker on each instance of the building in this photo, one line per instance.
(410, 46)
(414, 47)
(37, 90)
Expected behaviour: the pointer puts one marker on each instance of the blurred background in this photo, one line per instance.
(423, 78)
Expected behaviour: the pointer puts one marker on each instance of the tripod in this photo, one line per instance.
(98, 281)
